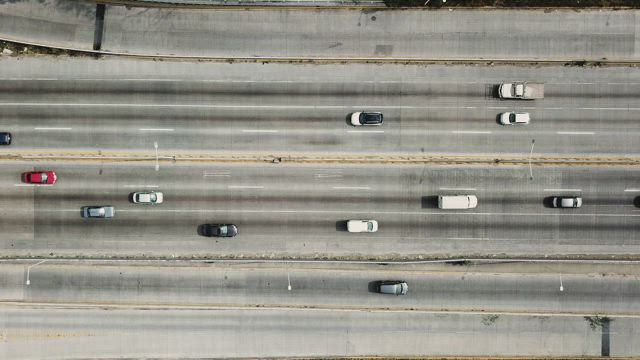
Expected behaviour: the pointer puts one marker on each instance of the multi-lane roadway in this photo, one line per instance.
(79, 108)
(167, 309)
(68, 115)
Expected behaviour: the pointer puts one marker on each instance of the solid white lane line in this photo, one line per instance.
(140, 186)
(216, 175)
(52, 128)
(244, 187)
(470, 132)
(156, 129)
(562, 189)
(300, 211)
(306, 107)
(575, 133)
(457, 189)
(351, 188)
(259, 131)
(302, 107)
(632, 190)
(365, 131)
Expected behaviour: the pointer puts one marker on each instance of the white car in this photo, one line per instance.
(147, 197)
(362, 226)
(514, 118)
(366, 118)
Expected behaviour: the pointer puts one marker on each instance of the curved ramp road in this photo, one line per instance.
(433, 34)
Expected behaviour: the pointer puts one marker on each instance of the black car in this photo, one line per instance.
(219, 230)
(366, 118)
(5, 138)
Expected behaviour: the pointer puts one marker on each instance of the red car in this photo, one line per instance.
(39, 177)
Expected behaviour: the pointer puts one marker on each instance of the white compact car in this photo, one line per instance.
(514, 118)
(362, 226)
(366, 118)
(148, 197)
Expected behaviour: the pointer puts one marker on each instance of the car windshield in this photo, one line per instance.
(152, 197)
(97, 211)
(512, 117)
(223, 230)
(370, 226)
(44, 177)
(371, 118)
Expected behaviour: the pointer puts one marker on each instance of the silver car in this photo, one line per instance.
(567, 201)
(392, 287)
(106, 211)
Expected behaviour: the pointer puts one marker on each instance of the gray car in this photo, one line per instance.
(106, 211)
(392, 287)
(566, 201)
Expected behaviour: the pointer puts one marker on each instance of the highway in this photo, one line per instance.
(447, 288)
(156, 287)
(292, 108)
(290, 209)
(182, 309)
(304, 212)
(329, 33)
(53, 333)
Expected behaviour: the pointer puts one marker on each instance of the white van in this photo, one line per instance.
(457, 201)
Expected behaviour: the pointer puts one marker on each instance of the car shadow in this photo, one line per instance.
(347, 119)
(548, 201)
(200, 230)
(495, 91)
(430, 202)
(130, 197)
(341, 225)
(636, 201)
(373, 286)
(498, 119)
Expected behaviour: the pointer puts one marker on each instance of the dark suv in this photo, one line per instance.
(5, 138)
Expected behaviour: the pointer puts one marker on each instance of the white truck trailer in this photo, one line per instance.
(521, 90)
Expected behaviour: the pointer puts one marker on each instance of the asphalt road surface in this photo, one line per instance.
(70, 105)
(53, 333)
(89, 105)
(549, 289)
(185, 309)
(439, 34)
(293, 210)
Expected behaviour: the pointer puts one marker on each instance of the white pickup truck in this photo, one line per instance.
(521, 90)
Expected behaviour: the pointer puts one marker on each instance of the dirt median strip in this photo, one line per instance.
(326, 158)
(292, 307)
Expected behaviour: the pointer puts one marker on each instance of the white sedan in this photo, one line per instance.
(362, 226)
(148, 197)
(514, 118)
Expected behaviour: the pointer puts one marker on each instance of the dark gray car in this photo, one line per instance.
(392, 287)
(219, 230)
(106, 211)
